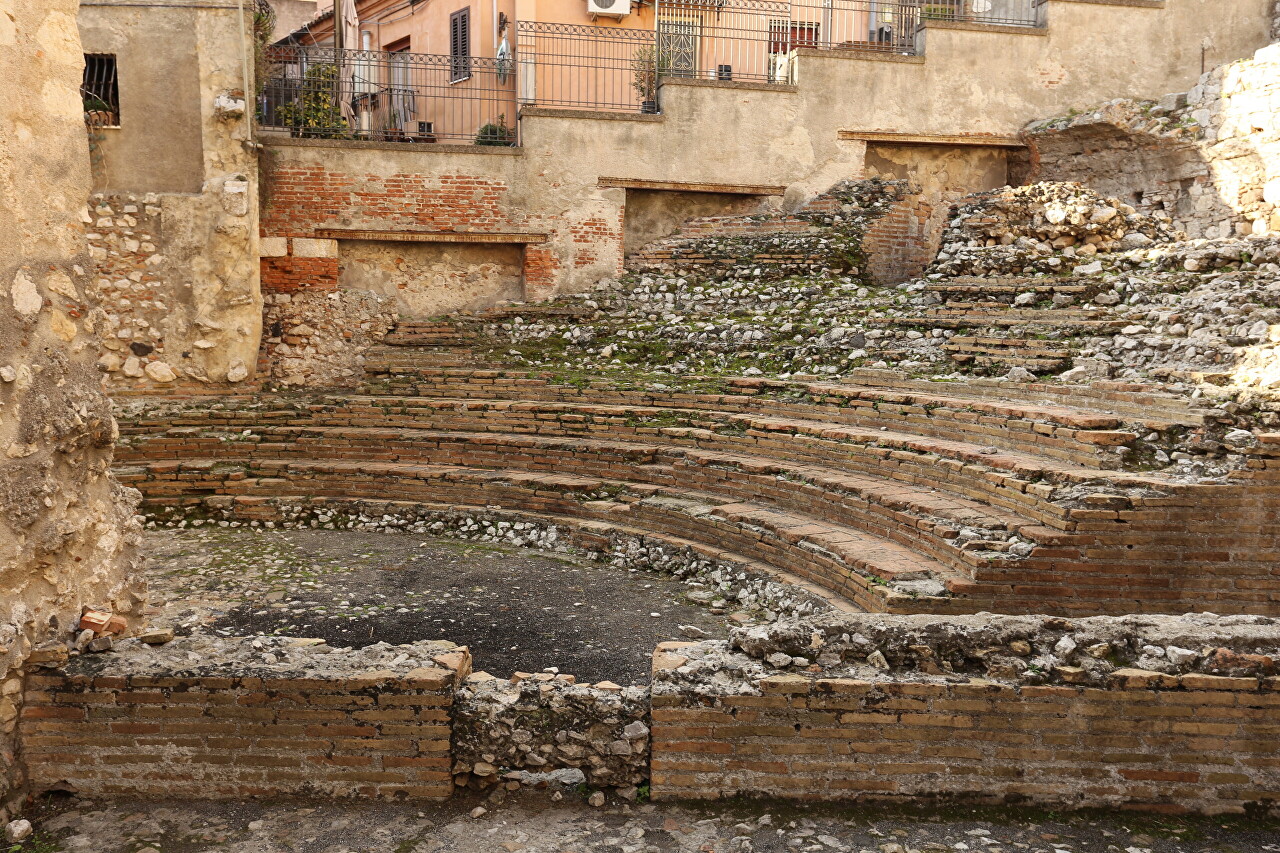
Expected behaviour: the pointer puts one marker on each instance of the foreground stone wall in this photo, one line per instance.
(250, 717)
(1209, 158)
(1058, 713)
(1171, 714)
(66, 532)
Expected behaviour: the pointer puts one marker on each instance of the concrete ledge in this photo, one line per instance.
(951, 139)
(860, 54)
(271, 140)
(598, 115)
(679, 186)
(981, 27)
(753, 85)
(1141, 4)
(516, 237)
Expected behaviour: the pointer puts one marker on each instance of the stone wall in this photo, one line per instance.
(318, 338)
(1108, 713)
(1169, 714)
(247, 717)
(174, 230)
(1209, 158)
(66, 529)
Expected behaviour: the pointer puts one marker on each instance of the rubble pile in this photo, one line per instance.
(1022, 649)
(1102, 290)
(544, 728)
(201, 655)
(1048, 228)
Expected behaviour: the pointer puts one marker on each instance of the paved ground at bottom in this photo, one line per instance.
(539, 821)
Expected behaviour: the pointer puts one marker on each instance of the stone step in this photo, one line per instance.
(927, 508)
(837, 554)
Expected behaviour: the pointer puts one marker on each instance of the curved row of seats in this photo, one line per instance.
(898, 500)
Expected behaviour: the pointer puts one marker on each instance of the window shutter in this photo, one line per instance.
(460, 43)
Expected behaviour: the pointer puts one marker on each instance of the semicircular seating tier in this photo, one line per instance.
(891, 494)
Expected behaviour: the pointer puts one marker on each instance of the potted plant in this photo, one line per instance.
(496, 132)
(938, 12)
(98, 112)
(315, 113)
(648, 67)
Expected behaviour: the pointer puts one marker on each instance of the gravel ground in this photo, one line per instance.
(518, 609)
(534, 822)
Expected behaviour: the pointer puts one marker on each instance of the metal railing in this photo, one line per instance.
(588, 67)
(621, 68)
(100, 90)
(414, 97)
(324, 93)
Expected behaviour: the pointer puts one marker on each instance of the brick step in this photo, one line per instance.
(1007, 361)
(913, 514)
(850, 562)
(1035, 355)
(1149, 405)
(966, 290)
(428, 339)
(940, 410)
(874, 418)
(394, 356)
(1003, 316)
(991, 345)
(1073, 441)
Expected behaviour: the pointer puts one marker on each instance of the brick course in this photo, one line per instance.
(1194, 743)
(374, 734)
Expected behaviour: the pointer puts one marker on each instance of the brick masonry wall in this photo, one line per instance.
(306, 195)
(903, 242)
(377, 733)
(1198, 743)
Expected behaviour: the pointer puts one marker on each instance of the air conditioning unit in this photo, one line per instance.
(611, 8)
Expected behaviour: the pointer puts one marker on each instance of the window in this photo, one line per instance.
(460, 45)
(100, 89)
(677, 47)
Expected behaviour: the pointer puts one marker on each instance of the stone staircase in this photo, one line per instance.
(1006, 322)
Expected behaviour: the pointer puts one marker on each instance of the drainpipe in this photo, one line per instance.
(249, 105)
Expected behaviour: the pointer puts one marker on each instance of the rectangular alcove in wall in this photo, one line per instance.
(429, 278)
(654, 214)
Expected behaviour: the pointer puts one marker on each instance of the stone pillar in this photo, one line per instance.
(67, 537)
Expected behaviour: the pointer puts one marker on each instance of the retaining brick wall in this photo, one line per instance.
(307, 195)
(902, 243)
(288, 274)
(231, 735)
(1166, 743)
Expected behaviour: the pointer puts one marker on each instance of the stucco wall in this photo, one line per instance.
(66, 527)
(174, 236)
(424, 279)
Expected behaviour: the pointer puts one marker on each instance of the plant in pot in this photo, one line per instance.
(315, 112)
(98, 112)
(938, 12)
(648, 66)
(496, 132)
